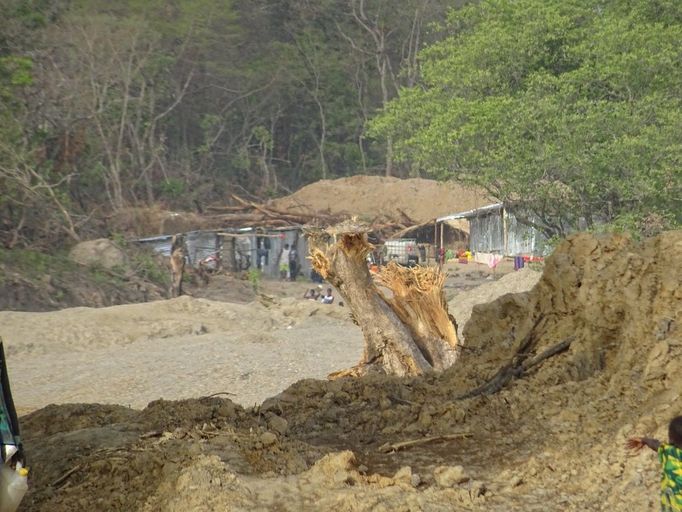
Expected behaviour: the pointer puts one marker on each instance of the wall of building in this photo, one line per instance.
(486, 233)
(201, 244)
(522, 240)
(499, 232)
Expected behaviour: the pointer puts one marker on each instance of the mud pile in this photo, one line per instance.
(463, 302)
(372, 197)
(550, 439)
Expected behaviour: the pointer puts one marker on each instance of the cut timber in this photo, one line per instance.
(409, 333)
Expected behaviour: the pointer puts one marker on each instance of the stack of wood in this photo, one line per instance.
(245, 213)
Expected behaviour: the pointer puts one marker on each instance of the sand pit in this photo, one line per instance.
(551, 438)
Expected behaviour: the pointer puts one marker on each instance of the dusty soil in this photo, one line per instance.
(178, 348)
(550, 439)
(371, 197)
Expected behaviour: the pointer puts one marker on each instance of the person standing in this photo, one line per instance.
(293, 263)
(177, 264)
(284, 262)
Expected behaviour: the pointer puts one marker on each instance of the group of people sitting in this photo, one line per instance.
(313, 294)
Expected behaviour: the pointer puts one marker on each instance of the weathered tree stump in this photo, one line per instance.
(402, 313)
(177, 264)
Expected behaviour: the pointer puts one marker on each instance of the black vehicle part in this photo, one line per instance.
(9, 423)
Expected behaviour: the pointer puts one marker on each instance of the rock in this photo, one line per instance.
(278, 424)
(448, 476)
(268, 438)
(102, 252)
(404, 475)
(227, 409)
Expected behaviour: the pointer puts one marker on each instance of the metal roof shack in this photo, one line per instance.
(495, 229)
(248, 247)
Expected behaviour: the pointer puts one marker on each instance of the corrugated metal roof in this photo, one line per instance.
(471, 213)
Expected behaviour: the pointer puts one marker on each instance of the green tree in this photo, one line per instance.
(568, 110)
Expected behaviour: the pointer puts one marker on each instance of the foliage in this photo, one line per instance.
(35, 264)
(105, 104)
(254, 276)
(565, 109)
(147, 267)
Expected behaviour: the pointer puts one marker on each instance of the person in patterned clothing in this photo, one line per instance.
(670, 456)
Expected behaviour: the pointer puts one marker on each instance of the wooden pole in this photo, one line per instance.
(505, 235)
(435, 242)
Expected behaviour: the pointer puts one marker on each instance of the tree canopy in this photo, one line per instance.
(567, 110)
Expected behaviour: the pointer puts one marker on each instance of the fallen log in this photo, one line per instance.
(303, 218)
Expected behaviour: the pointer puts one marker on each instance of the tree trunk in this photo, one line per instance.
(407, 334)
(229, 258)
(177, 265)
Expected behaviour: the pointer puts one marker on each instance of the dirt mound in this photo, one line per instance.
(462, 304)
(52, 286)
(374, 197)
(551, 438)
(616, 300)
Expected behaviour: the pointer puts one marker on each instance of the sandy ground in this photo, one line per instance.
(193, 347)
(173, 349)
(589, 357)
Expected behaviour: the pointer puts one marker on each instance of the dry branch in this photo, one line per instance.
(519, 365)
(247, 212)
(65, 476)
(395, 447)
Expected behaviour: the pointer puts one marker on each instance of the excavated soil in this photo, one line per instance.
(550, 439)
(372, 197)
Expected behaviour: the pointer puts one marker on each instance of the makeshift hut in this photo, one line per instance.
(494, 229)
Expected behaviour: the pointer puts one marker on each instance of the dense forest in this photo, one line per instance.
(568, 109)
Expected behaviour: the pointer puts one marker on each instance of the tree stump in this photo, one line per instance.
(177, 264)
(402, 312)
